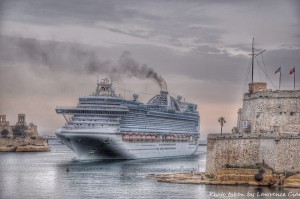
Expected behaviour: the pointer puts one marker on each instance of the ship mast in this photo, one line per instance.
(253, 55)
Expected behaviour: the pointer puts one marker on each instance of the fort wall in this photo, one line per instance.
(270, 111)
(280, 153)
(268, 131)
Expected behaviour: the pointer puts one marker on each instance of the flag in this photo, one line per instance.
(278, 70)
(292, 71)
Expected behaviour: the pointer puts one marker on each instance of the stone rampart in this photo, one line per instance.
(280, 152)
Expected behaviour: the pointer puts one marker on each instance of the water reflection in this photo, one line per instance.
(44, 175)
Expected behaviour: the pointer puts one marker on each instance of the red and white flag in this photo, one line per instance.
(278, 70)
(292, 71)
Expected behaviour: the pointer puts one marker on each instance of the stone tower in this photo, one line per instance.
(4, 126)
(267, 111)
(21, 119)
(267, 132)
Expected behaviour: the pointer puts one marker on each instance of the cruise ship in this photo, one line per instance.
(105, 126)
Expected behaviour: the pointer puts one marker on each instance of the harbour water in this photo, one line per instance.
(44, 175)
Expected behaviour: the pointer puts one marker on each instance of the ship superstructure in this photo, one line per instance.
(107, 126)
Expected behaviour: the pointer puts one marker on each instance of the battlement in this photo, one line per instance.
(268, 93)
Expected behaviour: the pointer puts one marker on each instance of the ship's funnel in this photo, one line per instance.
(164, 92)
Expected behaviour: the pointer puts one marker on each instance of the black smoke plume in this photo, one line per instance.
(126, 66)
(72, 58)
(131, 67)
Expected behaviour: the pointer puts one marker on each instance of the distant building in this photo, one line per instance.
(21, 129)
(20, 137)
(21, 119)
(5, 129)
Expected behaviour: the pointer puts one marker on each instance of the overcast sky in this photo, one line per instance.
(51, 52)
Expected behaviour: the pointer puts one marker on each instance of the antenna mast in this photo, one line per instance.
(253, 55)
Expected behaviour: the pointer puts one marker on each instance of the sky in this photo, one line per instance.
(53, 51)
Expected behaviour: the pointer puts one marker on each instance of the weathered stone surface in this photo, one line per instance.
(32, 148)
(21, 137)
(7, 148)
(223, 177)
(268, 131)
(280, 153)
(270, 111)
(23, 145)
(292, 181)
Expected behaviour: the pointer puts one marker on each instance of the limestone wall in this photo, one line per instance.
(280, 153)
(268, 131)
(270, 111)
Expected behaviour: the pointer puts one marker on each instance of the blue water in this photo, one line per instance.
(43, 175)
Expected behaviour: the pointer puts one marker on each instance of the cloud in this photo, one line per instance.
(47, 58)
(181, 24)
(50, 51)
(72, 11)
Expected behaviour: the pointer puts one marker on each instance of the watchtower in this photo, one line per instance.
(21, 119)
(2, 118)
(3, 122)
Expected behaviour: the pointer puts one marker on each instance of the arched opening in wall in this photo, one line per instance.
(4, 133)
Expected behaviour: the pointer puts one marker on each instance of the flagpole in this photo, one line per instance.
(294, 77)
(280, 78)
(279, 70)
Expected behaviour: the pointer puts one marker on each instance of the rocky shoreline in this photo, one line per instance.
(244, 177)
(24, 145)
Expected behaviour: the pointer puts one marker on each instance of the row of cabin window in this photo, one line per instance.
(99, 120)
(101, 124)
(95, 112)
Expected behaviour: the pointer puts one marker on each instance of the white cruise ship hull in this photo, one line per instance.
(110, 146)
(106, 126)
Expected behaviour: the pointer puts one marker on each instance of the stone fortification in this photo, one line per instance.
(268, 131)
(232, 176)
(20, 137)
(280, 153)
(267, 111)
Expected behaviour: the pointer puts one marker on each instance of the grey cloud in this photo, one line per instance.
(62, 57)
(218, 67)
(30, 68)
(72, 11)
(171, 22)
(173, 26)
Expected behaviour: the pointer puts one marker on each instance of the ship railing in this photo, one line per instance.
(102, 106)
(71, 127)
(92, 108)
(161, 131)
(93, 111)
